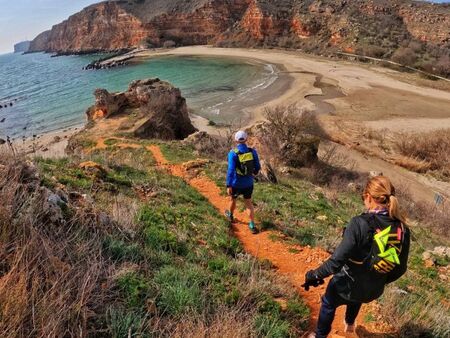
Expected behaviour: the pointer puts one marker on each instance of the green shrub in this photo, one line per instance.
(219, 265)
(270, 326)
(123, 323)
(121, 251)
(298, 312)
(135, 289)
(180, 290)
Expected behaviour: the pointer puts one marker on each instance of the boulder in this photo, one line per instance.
(2, 141)
(374, 173)
(158, 106)
(106, 104)
(202, 142)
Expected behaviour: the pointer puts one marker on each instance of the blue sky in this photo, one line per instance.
(24, 19)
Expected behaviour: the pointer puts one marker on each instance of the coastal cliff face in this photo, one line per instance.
(104, 26)
(312, 25)
(22, 47)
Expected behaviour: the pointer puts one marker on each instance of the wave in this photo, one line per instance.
(271, 75)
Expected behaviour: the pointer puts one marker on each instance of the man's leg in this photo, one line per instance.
(232, 204)
(250, 209)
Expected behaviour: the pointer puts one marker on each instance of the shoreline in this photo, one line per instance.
(357, 93)
(310, 82)
(47, 145)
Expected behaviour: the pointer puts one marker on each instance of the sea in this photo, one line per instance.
(52, 93)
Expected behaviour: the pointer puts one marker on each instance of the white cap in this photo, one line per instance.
(241, 136)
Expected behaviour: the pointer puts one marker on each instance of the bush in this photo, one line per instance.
(169, 44)
(443, 66)
(290, 136)
(51, 266)
(374, 51)
(405, 56)
(432, 150)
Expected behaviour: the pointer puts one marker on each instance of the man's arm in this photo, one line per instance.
(231, 173)
(257, 162)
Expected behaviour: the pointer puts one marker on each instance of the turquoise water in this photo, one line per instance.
(53, 93)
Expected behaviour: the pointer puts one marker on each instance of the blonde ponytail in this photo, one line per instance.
(395, 211)
(382, 191)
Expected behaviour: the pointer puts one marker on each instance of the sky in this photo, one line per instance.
(24, 19)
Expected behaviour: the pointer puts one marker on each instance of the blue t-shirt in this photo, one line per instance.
(233, 179)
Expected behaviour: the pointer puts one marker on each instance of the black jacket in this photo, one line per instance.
(355, 281)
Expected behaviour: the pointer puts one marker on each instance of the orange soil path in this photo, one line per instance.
(292, 261)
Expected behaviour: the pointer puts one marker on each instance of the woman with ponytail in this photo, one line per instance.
(373, 252)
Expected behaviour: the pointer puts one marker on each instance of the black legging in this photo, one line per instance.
(330, 302)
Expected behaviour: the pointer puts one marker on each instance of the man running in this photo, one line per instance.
(243, 163)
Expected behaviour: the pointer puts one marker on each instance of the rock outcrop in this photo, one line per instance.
(156, 107)
(22, 47)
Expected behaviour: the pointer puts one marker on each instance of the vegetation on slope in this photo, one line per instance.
(99, 250)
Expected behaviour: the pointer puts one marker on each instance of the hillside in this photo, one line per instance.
(125, 236)
(409, 32)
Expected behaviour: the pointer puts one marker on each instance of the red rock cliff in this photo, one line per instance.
(321, 24)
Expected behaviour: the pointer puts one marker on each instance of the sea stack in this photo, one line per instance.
(155, 108)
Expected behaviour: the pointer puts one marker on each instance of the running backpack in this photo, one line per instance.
(386, 246)
(245, 165)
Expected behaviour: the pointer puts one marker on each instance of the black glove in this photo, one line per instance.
(311, 279)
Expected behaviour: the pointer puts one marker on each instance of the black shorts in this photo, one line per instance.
(246, 192)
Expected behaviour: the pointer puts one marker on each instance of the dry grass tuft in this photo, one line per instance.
(426, 151)
(51, 264)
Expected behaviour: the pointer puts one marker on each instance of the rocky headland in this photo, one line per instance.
(22, 47)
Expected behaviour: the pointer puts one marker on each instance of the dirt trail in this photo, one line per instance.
(292, 261)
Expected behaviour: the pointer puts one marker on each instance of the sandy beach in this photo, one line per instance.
(369, 92)
(48, 145)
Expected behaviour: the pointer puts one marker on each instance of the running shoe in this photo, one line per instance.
(229, 216)
(252, 228)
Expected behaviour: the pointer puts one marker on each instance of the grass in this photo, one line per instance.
(175, 153)
(167, 264)
(149, 269)
(298, 208)
(426, 152)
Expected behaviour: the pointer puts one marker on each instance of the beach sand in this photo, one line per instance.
(370, 92)
(48, 145)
